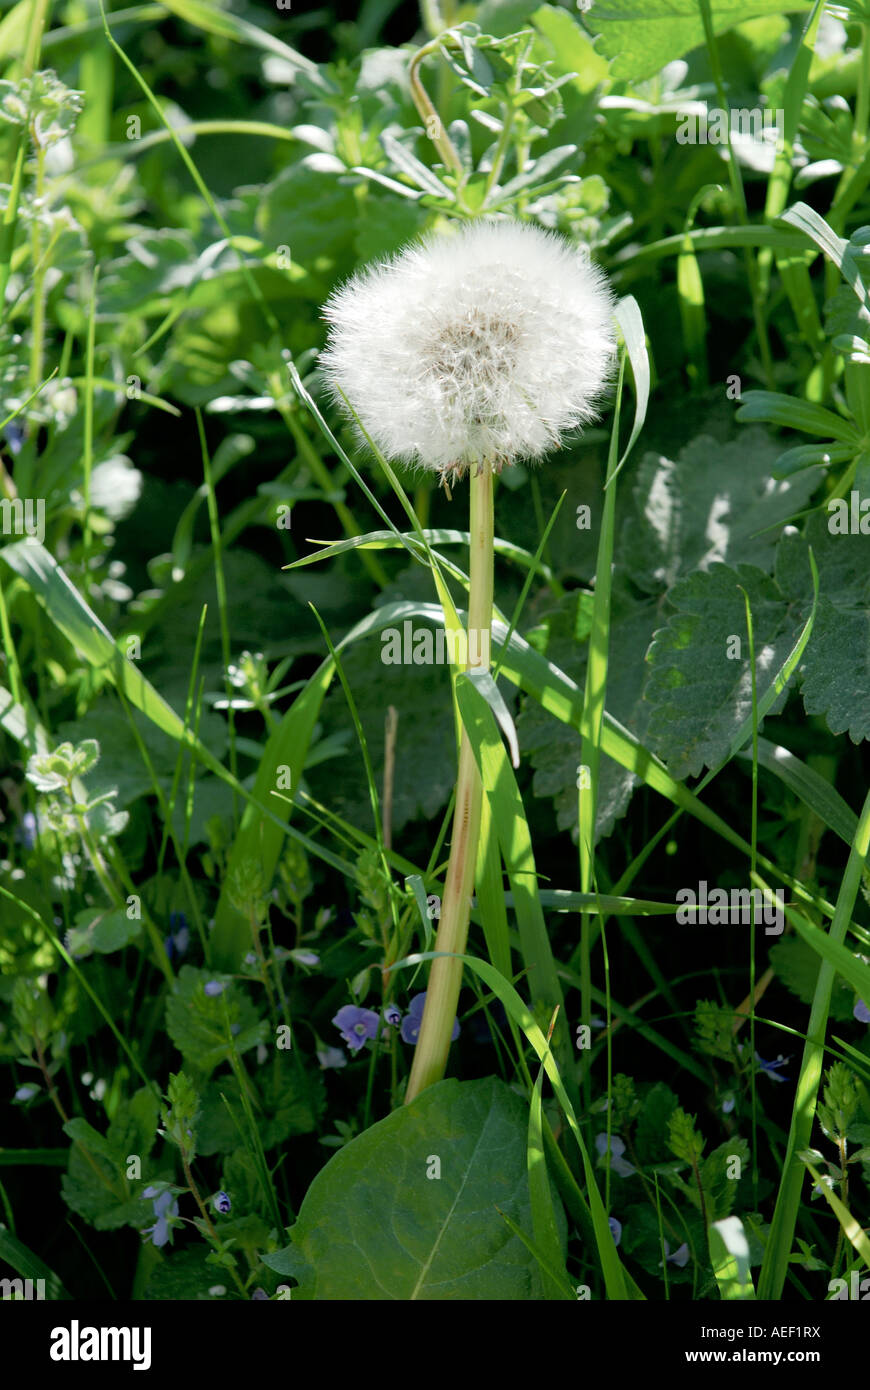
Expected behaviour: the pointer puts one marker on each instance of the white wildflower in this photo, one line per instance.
(482, 345)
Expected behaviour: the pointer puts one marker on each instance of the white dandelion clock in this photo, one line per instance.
(480, 346)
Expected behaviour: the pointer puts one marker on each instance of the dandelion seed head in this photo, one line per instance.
(479, 346)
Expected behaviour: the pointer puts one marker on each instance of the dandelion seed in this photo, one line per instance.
(486, 345)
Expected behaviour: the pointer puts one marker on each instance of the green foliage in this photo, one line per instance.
(683, 1138)
(95, 1185)
(207, 1028)
(373, 1225)
(178, 916)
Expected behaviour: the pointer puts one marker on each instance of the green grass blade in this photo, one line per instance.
(729, 1256)
(776, 1255)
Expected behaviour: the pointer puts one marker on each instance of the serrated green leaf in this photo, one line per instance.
(199, 1024)
(699, 686)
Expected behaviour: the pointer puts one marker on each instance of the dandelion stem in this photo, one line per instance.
(445, 976)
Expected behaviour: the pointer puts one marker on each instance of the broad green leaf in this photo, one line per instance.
(572, 49)
(641, 36)
(374, 1226)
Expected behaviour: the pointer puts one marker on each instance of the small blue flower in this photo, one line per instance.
(771, 1068)
(617, 1149)
(222, 1203)
(331, 1057)
(615, 1229)
(861, 1012)
(178, 940)
(680, 1257)
(414, 1018)
(259, 1296)
(214, 987)
(305, 957)
(15, 435)
(28, 830)
(392, 1016)
(728, 1103)
(165, 1209)
(26, 1093)
(356, 1025)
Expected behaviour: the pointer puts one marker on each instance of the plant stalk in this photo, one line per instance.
(445, 976)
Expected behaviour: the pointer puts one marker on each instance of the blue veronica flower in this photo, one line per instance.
(28, 830)
(178, 940)
(617, 1149)
(15, 436)
(165, 1208)
(26, 1093)
(222, 1203)
(615, 1229)
(680, 1257)
(356, 1025)
(330, 1057)
(861, 1012)
(771, 1068)
(214, 987)
(392, 1015)
(414, 1018)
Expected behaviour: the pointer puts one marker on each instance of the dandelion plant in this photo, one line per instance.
(466, 354)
